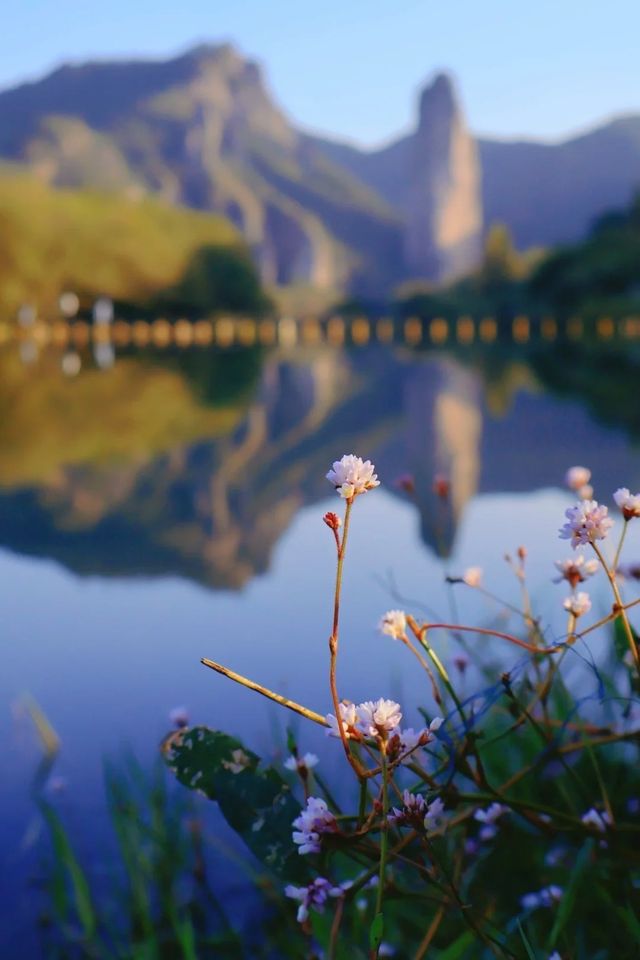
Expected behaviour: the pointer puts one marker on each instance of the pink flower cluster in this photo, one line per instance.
(587, 522)
(311, 824)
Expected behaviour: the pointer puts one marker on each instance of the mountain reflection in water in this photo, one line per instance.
(195, 464)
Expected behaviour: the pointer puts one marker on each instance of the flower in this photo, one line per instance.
(312, 897)
(179, 717)
(412, 811)
(349, 716)
(628, 503)
(303, 764)
(586, 492)
(577, 477)
(312, 822)
(587, 522)
(577, 604)
(410, 738)
(555, 956)
(351, 475)
(461, 662)
(402, 743)
(472, 576)
(434, 817)
(393, 624)
(379, 718)
(543, 898)
(489, 817)
(599, 821)
(416, 812)
(406, 483)
(575, 570)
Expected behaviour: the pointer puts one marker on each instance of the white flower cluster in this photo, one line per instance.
(599, 821)
(628, 503)
(381, 719)
(577, 604)
(546, 897)
(575, 570)
(312, 822)
(489, 818)
(352, 475)
(472, 576)
(393, 624)
(313, 897)
(587, 522)
(302, 764)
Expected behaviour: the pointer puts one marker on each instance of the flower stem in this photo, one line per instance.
(620, 606)
(333, 646)
(620, 543)
(252, 685)
(384, 839)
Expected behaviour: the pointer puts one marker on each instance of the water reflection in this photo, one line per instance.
(194, 463)
(204, 466)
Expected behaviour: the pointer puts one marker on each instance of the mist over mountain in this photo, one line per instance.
(202, 130)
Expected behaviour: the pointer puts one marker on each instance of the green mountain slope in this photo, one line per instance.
(202, 130)
(131, 249)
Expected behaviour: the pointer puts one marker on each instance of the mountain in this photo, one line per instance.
(551, 194)
(443, 218)
(546, 194)
(136, 250)
(202, 130)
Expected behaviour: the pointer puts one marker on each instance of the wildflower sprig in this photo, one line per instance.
(480, 777)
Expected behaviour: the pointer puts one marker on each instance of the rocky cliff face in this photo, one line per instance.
(443, 226)
(202, 130)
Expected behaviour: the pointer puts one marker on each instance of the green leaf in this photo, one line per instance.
(458, 949)
(630, 921)
(570, 895)
(526, 943)
(255, 801)
(620, 640)
(65, 855)
(376, 931)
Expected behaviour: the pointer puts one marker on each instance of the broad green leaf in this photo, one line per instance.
(255, 801)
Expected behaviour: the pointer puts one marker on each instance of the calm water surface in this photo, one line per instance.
(171, 508)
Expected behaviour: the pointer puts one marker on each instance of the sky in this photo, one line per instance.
(352, 68)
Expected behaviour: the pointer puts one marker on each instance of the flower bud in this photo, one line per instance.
(332, 520)
(441, 486)
(406, 483)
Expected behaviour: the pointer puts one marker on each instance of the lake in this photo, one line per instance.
(168, 506)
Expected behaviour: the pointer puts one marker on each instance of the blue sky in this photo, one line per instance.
(351, 68)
